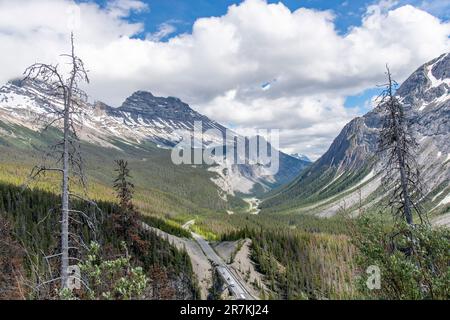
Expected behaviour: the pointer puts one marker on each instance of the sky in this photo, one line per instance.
(306, 67)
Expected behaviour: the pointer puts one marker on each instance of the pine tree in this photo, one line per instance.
(125, 219)
(123, 186)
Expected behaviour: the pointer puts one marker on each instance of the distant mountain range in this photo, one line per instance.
(346, 176)
(349, 172)
(144, 118)
(301, 157)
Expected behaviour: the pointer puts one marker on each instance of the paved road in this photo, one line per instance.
(231, 281)
(188, 224)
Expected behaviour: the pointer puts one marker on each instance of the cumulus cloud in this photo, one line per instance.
(164, 30)
(122, 8)
(221, 66)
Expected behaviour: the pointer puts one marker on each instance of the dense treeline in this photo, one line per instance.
(307, 264)
(223, 224)
(11, 263)
(302, 265)
(166, 226)
(163, 188)
(35, 227)
(313, 186)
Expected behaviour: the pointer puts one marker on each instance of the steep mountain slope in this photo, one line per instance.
(145, 117)
(301, 157)
(163, 188)
(135, 128)
(349, 172)
(142, 117)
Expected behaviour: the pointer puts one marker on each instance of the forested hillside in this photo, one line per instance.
(29, 233)
(94, 204)
(349, 173)
(163, 188)
(303, 265)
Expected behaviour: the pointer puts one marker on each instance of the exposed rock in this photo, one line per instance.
(143, 117)
(425, 95)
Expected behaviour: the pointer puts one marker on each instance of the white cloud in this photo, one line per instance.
(219, 68)
(164, 30)
(122, 8)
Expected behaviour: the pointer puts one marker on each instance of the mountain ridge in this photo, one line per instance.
(350, 165)
(143, 117)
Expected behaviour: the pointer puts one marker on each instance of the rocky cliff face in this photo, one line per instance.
(144, 104)
(143, 117)
(351, 163)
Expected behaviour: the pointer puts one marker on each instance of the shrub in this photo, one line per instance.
(413, 260)
(112, 279)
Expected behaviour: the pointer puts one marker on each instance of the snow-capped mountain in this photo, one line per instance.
(141, 117)
(144, 117)
(350, 168)
(301, 157)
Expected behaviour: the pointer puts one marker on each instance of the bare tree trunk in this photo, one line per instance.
(69, 160)
(400, 158)
(65, 199)
(65, 182)
(407, 201)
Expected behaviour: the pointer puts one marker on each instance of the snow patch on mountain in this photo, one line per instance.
(167, 122)
(445, 200)
(300, 156)
(436, 82)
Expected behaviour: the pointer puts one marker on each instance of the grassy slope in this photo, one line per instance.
(178, 193)
(163, 189)
(314, 187)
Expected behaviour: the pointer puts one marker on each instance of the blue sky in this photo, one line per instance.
(181, 15)
(257, 66)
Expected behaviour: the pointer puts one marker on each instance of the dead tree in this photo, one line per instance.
(65, 87)
(397, 147)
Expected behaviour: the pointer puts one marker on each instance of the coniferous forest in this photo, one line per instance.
(239, 150)
(30, 233)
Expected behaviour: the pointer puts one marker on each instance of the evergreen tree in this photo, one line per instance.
(125, 219)
(123, 186)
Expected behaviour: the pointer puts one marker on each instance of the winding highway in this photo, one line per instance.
(233, 283)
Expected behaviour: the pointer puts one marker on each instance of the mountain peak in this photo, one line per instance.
(301, 157)
(143, 94)
(347, 174)
(440, 68)
(145, 103)
(429, 83)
